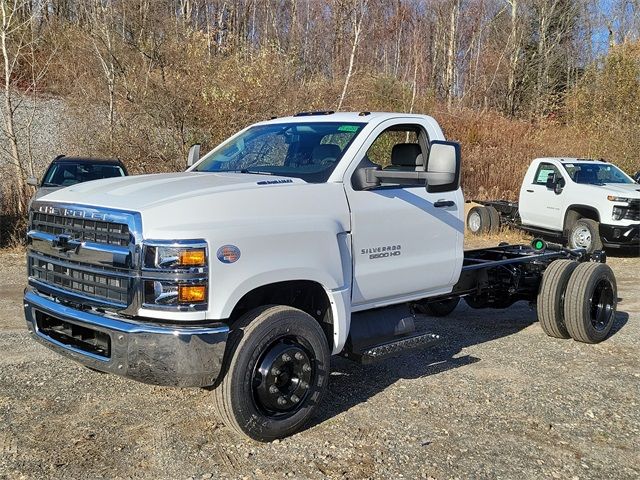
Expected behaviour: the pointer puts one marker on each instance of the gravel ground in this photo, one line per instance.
(498, 399)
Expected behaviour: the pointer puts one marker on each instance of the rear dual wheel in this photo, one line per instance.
(482, 220)
(551, 297)
(591, 300)
(577, 300)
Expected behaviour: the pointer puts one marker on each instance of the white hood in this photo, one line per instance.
(141, 192)
(630, 190)
(186, 205)
(627, 190)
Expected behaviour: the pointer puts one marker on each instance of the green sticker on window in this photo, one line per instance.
(348, 128)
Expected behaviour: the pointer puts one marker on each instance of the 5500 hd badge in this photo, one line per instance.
(382, 252)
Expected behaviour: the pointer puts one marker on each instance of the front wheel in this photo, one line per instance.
(277, 369)
(585, 233)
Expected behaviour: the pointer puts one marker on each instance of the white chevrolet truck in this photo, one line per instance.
(297, 238)
(585, 203)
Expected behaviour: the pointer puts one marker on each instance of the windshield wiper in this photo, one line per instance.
(47, 184)
(257, 172)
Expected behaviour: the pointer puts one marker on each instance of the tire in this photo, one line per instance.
(585, 233)
(550, 304)
(438, 309)
(590, 302)
(267, 340)
(478, 220)
(494, 219)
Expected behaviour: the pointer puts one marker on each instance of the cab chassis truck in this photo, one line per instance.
(298, 238)
(584, 203)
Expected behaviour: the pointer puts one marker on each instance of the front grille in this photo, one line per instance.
(82, 229)
(82, 338)
(102, 286)
(633, 212)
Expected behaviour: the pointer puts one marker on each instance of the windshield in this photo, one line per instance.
(596, 173)
(66, 174)
(309, 151)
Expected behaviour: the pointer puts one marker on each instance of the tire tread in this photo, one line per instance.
(554, 281)
(243, 328)
(576, 308)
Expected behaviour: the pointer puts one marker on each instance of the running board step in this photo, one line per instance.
(384, 350)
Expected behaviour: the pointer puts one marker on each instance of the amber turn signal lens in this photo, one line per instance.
(193, 257)
(192, 293)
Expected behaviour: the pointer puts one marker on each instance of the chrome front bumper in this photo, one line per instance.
(180, 356)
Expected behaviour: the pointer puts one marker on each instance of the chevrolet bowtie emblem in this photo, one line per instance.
(65, 243)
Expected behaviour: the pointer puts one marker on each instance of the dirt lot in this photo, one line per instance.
(498, 399)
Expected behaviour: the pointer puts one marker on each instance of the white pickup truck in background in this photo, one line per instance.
(587, 203)
(297, 238)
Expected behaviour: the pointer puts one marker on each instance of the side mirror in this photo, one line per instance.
(636, 177)
(443, 167)
(551, 181)
(555, 183)
(33, 181)
(194, 154)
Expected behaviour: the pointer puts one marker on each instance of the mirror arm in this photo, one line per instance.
(396, 176)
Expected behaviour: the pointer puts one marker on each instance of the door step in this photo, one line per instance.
(393, 347)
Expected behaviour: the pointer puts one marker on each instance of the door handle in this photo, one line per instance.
(530, 191)
(444, 203)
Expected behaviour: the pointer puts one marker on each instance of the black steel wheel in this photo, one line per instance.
(281, 378)
(590, 302)
(275, 373)
(551, 297)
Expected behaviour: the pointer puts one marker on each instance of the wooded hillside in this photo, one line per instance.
(144, 79)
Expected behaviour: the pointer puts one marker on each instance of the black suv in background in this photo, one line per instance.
(66, 171)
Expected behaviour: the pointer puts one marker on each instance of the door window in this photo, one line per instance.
(398, 148)
(386, 152)
(543, 172)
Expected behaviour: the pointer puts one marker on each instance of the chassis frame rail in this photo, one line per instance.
(497, 277)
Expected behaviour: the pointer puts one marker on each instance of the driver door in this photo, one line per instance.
(542, 206)
(407, 242)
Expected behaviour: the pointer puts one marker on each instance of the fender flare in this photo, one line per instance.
(576, 207)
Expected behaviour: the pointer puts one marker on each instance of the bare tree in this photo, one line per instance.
(514, 46)
(357, 14)
(451, 53)
(21, 76)
(101, 16)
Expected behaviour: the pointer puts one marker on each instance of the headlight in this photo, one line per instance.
(618, 213)
(175, 275)
(613, 198)
(175, 256)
